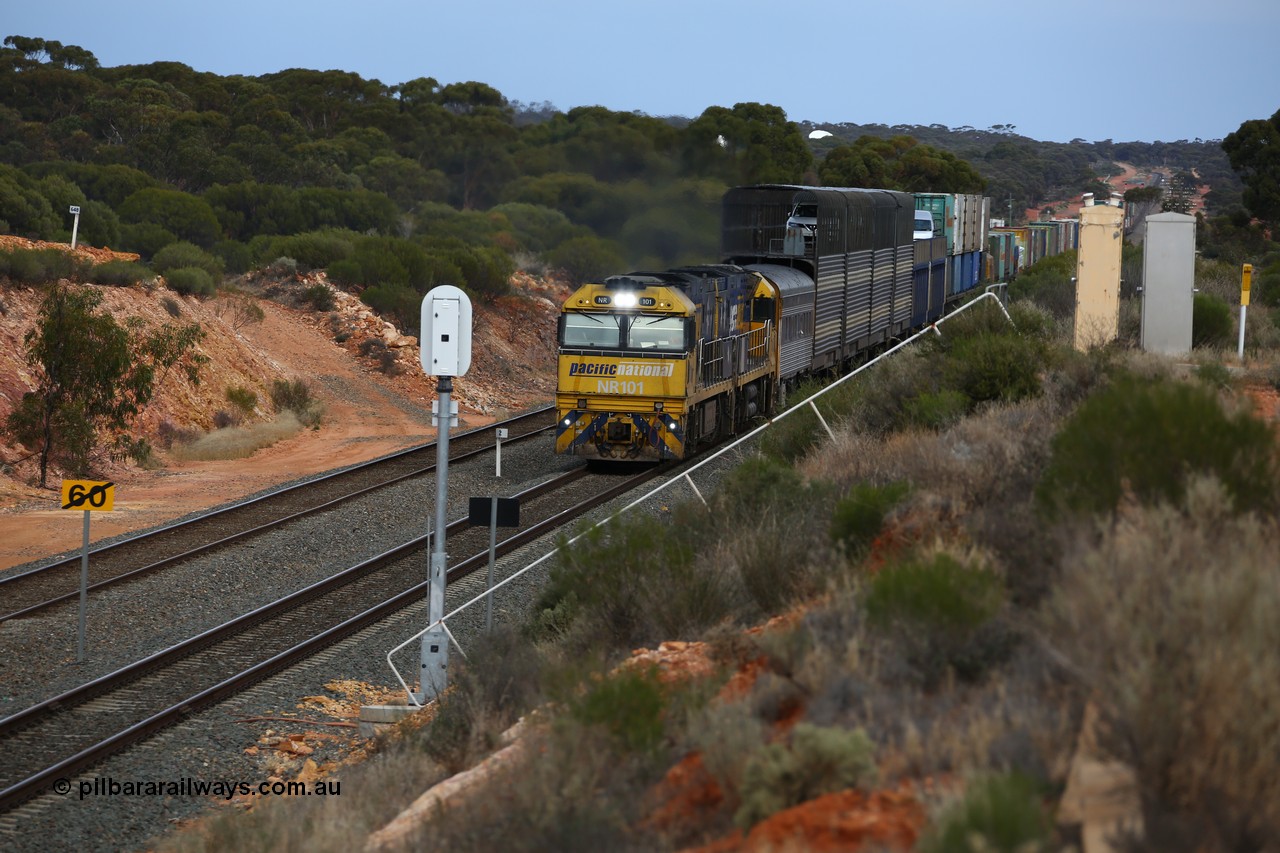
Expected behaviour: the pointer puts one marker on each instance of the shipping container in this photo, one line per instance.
(1071, 234)
(962, 218)
(1002, 255)
(965, 269)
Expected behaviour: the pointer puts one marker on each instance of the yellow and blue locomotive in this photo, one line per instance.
(653, 363)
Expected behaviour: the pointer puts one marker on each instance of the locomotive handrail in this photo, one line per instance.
(748, 349)
(685, 476)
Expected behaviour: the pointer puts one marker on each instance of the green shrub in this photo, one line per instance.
(814, 761)
(1049, 285)
(860, 515)
(399, 304)
(489, 690)
(295, 396)
(757, 486)
(191, 281)
(244, 399)
(795, 436)
(120, 274)
(632, 582)
(980, 320)
(311, 250)
(235, 256)
(145, 238)
(585, 259)
(943, 616)
(997, 813)
(882, 399)
(1210, 321)
(283, 266)
(773, 541)
(320, 297)
(629, 705)
(44, 266)
(371, 347)
(347, 272)
(1033, 321)
(937, 410)
(486, 269)
(139, 450)
(1266, 287)
(1214, 374)
(185, 255)
(938, 593)
(389, 364)
(23, 266)
(1145, 438)
(996, 367)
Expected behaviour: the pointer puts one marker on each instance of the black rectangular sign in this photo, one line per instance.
(508, 511)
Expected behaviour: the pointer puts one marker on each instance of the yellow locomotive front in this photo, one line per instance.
(624, 370)
(653, 363)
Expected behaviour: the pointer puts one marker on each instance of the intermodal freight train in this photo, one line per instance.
(814, 280)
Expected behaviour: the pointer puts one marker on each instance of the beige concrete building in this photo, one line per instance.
(1098, 272)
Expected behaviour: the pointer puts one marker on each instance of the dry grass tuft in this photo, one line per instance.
(370, 796)
(238, 442)
(1174, 619)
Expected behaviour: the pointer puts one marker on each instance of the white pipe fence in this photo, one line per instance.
(686, 476)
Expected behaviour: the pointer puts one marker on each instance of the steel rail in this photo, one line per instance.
(209, 546)
(34, 784)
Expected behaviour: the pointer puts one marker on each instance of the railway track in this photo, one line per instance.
(30, 592)
(66, 734)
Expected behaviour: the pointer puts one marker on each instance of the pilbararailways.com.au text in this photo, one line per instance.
(189, 787)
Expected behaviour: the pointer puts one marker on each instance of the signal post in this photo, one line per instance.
(445, 353)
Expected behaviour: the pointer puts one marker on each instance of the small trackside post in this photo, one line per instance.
(1246, 278)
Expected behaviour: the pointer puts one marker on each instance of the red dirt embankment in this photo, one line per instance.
(370, 407)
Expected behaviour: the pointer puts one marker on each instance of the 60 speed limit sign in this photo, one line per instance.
(88, 495)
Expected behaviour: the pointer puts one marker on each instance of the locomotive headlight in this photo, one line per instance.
(568, 421)
(625, 300)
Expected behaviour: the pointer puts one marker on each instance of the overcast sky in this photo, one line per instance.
(1117, 69)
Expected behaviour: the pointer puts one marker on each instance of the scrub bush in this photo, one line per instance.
(1145, 438)
(860, 515)
(942, 613)
(937, 593)
(1210, 321)
(182, 255)
(244, 399)
(814, 761)
(1172, 617)
(632, 582)
(191, 281)
(320, 297)
(43, 266)
(628, 705)
(997, 813)
(120, 274)
(937, 410)
(990, 367)
(295, 396)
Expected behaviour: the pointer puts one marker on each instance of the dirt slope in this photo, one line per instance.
(369, 410)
